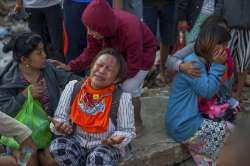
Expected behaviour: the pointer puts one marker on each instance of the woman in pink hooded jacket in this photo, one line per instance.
(114, 28)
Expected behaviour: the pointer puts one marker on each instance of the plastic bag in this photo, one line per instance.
(32, 115)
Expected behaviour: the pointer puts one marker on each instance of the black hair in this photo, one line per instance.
(22, 45)
(208, 38)
(120, 61)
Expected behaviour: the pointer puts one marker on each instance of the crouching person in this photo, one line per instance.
(94, 118)
(184, 122)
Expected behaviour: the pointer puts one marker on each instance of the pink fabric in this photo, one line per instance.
(210, 106)
(122, 31)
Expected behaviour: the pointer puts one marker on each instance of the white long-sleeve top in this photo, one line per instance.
(10, 127)
(125, 120)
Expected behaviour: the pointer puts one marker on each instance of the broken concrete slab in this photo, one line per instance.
(155, 148)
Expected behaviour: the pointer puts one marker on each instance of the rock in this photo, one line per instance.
(154, 148)
(3, 8)
(18, 27)
(3, 22)
(5, 59)
(164, 91)
(4, 32)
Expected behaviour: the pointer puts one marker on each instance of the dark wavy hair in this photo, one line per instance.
(120, 61)
(208, 38)
(22, 45)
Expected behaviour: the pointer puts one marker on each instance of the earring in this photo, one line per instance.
(27, 66)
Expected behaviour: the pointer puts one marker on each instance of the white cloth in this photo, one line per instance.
(10, 127)
(133, 85)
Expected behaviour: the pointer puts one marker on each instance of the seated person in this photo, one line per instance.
(127, 34)
(29, 67)
(94, 118)
(10, 127)
(184, 122)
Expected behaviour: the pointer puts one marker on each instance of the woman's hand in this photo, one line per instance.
(18, 154)
(189, 69)
(59, 64)
(37, 89)
(113, 140)
(61, 127)
(219, 55)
